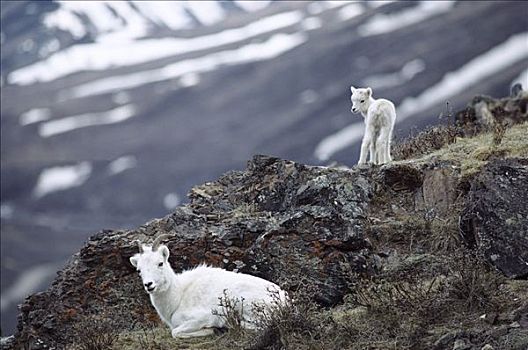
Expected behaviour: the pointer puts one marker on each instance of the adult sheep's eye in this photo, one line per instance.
(160, 264)
(362, 101)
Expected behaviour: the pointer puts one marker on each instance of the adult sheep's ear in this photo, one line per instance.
(164, 252)
(369, 91)
(134, 260)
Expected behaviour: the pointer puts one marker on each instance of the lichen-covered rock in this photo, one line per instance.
(495, 218)
(279, 220)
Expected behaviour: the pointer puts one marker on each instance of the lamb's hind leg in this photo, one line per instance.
(374, 151)
(383, 146)
(380, 156)
(388, 155)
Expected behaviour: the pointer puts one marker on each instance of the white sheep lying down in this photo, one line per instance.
(185, 301)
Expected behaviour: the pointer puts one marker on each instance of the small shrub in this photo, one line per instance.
(444, 235)
(232, 311)
(297, 324)
(96, 332)
(286, 324)
(473, 285)
(499, 130)
(147, 338)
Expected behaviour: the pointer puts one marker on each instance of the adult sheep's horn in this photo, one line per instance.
(140, 246)
(157, 241)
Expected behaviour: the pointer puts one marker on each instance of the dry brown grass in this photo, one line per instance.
(427, 141)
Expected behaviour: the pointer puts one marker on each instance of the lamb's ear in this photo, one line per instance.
(164, 251)
(352, 89)
(369, 91)
(134, 260)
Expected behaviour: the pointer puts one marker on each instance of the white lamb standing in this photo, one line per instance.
(380, 116)
(185, 301)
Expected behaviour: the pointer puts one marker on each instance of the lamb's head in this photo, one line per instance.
(360, 99)
(152, 264)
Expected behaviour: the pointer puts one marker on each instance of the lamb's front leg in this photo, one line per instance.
(195, 323)
(383, 146)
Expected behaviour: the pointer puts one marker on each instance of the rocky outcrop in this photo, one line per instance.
(299, 225)
(485, 113)
(279, 220)
(495, 219)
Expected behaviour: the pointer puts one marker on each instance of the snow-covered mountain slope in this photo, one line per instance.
(112, 110)
(54, 26)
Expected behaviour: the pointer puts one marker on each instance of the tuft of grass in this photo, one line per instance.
(290, 324)
(155, 337)
(472, 153)
(427, 141)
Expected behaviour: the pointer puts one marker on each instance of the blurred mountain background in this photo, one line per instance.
(111, 111)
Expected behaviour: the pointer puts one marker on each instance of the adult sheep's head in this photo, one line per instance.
(152, 264)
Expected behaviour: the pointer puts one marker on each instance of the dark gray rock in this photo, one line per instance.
(516, 90)
(495, 219)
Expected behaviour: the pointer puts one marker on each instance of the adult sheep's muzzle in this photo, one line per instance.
(149, 287)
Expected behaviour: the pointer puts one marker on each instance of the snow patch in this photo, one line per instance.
(63, 125)
(106, 54)
(48, 48)
(121, 164)
(384, 23)
(189, 79)
(171, 201)
(34, 116)
(61, 178)
(65, 20)
(273, 47)
(408, 71)
(165, 13)
(477, 69)
(6, 211)
(379, 3)
(338, 141)
(338, 3)
(350, 11)
(133, 25)
(97, 12)
(207, 12)
(316, 7)
(311, 23)
(308, 96)
(27, 283)
(251, 5)
(121, 97)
